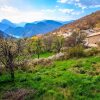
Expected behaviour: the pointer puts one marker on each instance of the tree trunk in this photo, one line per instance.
(12, 75)
(12, 72)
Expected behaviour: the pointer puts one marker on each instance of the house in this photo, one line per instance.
(93, 39)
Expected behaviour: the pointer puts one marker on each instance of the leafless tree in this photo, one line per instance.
(76, 38)
(8, 53)
(47, 41)
(38, 47)
(58, 43)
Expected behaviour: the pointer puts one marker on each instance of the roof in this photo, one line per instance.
(94, 34)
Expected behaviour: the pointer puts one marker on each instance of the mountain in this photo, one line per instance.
(3, 27)
(4, 35)
(29, 29)
(7, 22)
(16, 32)
(1, 34)
(89, 22)
(41, 27)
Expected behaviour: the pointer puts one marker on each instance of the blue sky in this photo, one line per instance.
(32, 10)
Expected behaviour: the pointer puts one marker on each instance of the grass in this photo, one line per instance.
(43, 55)
(60, 81)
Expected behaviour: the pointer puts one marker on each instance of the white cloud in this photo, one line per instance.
(77, 13)
(62, 1)
(67, 11)
(67, 1)
(83, 4)
(96, 6)
(71, 12)
(17, 15)
(48, 10)
(6, 2)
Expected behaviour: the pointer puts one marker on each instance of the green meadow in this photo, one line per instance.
(73, 79)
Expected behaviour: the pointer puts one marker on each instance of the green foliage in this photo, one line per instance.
(43, 55)
(92, 52)
(59, 82)
(77, 51)
(58, 43)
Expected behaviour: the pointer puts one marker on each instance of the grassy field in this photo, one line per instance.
(43, 55)
(73, 79)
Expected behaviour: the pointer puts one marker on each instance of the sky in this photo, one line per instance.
(34, 10)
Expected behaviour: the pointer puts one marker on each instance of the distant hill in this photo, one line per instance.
(30, 29)
(3, 27)
(4, 35)
(7, 22)
(41, 27)
(91, 21)
(17, 31)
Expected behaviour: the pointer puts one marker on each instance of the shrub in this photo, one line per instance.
(18, 94)
(78, 64)
(2, 70)
(77, 51)
(96, 68)
(29, 65)
(92, 52)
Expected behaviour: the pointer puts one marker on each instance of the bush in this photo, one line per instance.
(96, 68)
(77, 51)
(92, 52)
(2, 70)
(29, 65)
(78, 64)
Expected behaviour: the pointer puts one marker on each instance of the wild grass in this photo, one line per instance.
(43, 55)
(59, 81)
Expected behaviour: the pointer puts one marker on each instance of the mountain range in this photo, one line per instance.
(4, 35)
(86, 23)
(30, 29)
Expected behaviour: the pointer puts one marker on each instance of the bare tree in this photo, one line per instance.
(38, 47)
(8, 53)
(76, 38)
(21, 45)
(58, 43)
(47, 41)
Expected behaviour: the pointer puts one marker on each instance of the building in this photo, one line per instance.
(93, 39)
